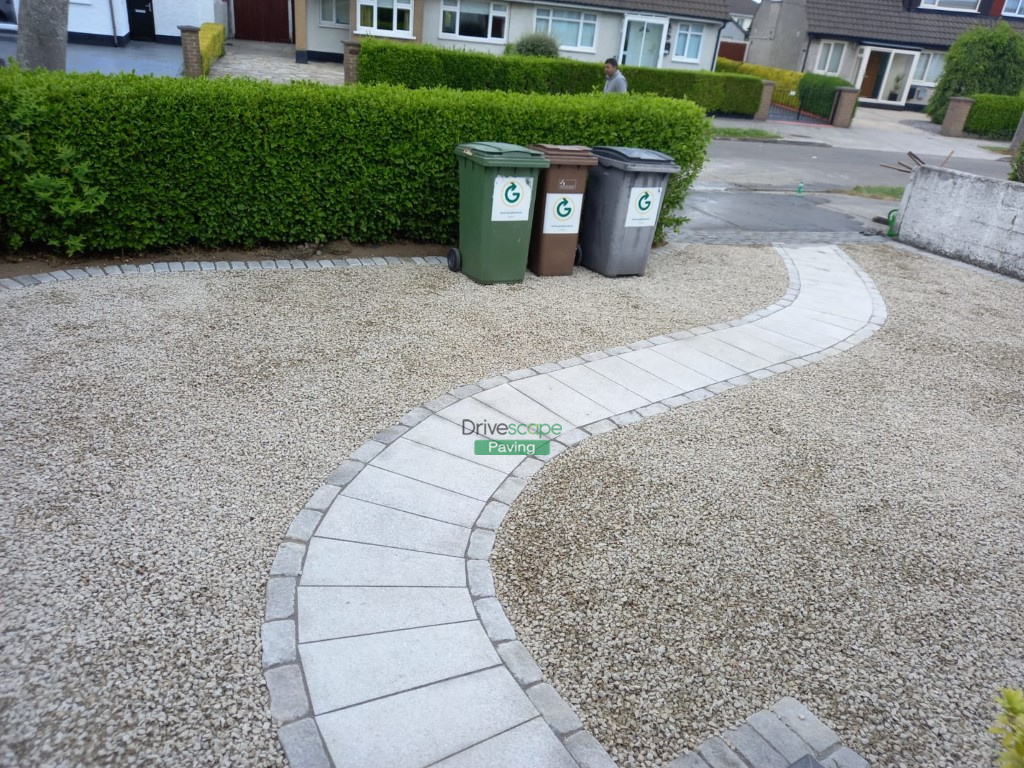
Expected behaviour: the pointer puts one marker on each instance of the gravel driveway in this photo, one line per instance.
(158, 434)
(850, 534)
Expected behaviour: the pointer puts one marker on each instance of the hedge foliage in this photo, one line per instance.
(211, 44)
(424, 66)
(536, 44)
(818, 93)
(786, 80)
(995, 117)
(981, 60)
(173, 162)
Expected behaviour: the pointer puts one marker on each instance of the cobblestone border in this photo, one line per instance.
(291, 703)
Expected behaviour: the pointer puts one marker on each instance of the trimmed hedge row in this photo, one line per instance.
(97, 162)
(785, 80)
(424, 66)
(818, 93)
(995, 117)
(211, 44)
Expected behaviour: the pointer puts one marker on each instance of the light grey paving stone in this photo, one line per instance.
(754, 748)
(344, 474)
(303, 525)
(688, 760)
(749, 342)
(268, 264)
(280, 598)
(342, 563)
(81, 274)
(681, 335)
(700, 330)
(573, 436)
(327, 613)
(415, 416)
(559, 715)
(389, 435)
(221, 266)
(239, 265)
(528, 745)
(204, 266)
(279, 643)
(288, 560)
(570, 362)
(11, 285)
(465, 391)
(361, 521)
(554, 449)
(393, 260)
(764, 373)
(522, 373)
(63, 276)
(445, 435)
(676, 402)
(717, 754)
(160, 267)
(588, 752)
(510, 400)
(720, 387)
(700, 394)
(419, 260)
(411, 459)
(719, 326)
(845, 758)
(176, 266)
(481, 580)
(656, 340)
(492, 382)
(739, 381)
(677, 374)
(573, 409)
(326, 263)
(471, 414)
(509, 490)
(302, 745)
(480, 544)
(323, 498)
(352, 670)
(642, 344)
(714, 347)
(651, 410)
(520, 663)
(621, 350)
(442, 402)
(791, 345)
(339, 263)
(128, 269)
(404, 493)
(288, 699)
(253, 265)
(600, 427)
(591, 356)
(422, 726)
(113, 270)
(546, 367)
(354, 262)
(634, 378)
(775, 732)
(367, 451)
(803, 722)
(380, 261)
(608, 394)
(30, 280)
(528, 468)
(781, 368)
(282, 264)
(787, 323)
(625, 419)
(303, 264)
(494, 620)
(493, 514)
(798, 362)
(45, 278)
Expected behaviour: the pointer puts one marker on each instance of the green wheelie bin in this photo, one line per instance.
(497, 184)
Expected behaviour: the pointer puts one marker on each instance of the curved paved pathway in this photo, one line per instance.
(384, 643)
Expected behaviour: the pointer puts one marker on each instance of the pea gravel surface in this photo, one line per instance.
(158, 434)
(850, 533)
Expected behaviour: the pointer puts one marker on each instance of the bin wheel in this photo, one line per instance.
(454, 260)
(579, 255)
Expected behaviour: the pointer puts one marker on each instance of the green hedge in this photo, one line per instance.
(995, 117)
(96, 162)
(818, 93)
(211, 44)
(786, 80)
(423, 66)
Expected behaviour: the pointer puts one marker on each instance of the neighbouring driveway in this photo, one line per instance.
(273, 62)
(141, 58)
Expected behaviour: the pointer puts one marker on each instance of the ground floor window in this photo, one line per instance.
(929, 67)
(688, 41)
(1012, 8)
(472, 18)
(574, 30)
(334, 12)
(830, 58)
(386, 16)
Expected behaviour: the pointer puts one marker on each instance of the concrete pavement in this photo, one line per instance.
(141, 58)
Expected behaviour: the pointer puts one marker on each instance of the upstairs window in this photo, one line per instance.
(964, 6)
(334, 13)
(387, 18)
(1013, 8)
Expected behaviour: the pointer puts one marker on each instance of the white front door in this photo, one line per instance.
(643, 41)
(884, 74)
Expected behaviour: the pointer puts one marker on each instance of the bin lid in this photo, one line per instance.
(497, 153)
(636, 159)
(566, 154)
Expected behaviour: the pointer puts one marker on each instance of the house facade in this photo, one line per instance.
(682, 34)
(892, 50)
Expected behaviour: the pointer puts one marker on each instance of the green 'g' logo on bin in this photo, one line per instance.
(564, 209)
(511, 193)
(644, 203)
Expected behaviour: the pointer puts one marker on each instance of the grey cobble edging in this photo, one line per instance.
(173, 267)
(397, 461)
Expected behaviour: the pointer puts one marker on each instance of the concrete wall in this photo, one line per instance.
(971, 218)
(90, 17)
(169, 14)
(778, 36)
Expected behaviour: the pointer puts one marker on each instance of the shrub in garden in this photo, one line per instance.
(1009, 728)
(995, 117)
(211, 44)
(982, 60)
(158, 162)
(818, 92)
(786, 80)
(536, 44)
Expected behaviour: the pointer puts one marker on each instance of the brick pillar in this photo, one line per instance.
(352, 63)
(766, 101)
(190, 51)
(956, 116)
(846, 103)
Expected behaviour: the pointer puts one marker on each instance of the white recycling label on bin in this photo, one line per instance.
(512, 199)
(562, 214)
(644, 205)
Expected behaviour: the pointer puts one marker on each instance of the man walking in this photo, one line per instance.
(614, 82)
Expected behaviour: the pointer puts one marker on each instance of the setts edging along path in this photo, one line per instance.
(384, 644)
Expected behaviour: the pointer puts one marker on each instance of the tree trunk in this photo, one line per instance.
(43, 34)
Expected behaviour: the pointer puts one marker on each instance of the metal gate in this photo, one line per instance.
(787, 106)
(265, 20)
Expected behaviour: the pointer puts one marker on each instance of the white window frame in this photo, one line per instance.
(456, 6)
(938, 5)
(335, 24)
(593, 20)
(690, 26)
(931, 55)
(1020, 9)
(831, 46)
(409, 5)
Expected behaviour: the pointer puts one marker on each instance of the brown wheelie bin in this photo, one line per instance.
(554, 249)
